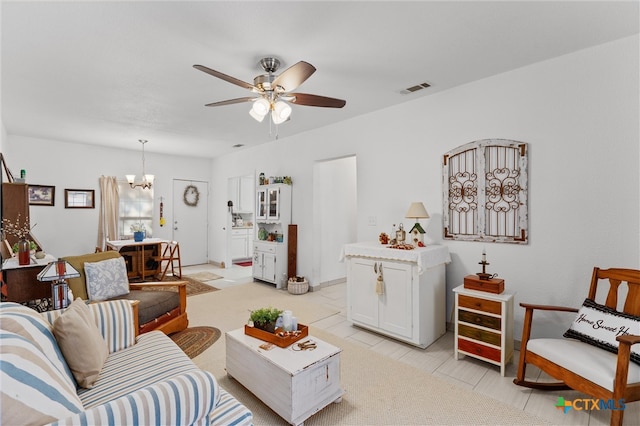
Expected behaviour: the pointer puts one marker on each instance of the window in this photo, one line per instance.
(136, 206)
(485, 192)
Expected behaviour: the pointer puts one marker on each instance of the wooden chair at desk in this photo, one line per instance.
(169, 259)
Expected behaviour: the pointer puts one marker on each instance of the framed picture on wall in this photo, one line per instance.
(79, 199)
(42, 195)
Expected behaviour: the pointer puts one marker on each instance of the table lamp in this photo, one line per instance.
(417, 211)
(57, 272)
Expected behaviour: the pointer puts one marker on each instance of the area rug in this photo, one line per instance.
(194, 286)
(204, 276)
(379, 390)
(195, 340)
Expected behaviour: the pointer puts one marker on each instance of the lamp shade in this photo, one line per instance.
(58, 270)
(281, 112)
(417, 211)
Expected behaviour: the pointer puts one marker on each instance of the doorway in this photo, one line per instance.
(335, 216)
(190, 220)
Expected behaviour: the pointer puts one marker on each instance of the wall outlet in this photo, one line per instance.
(373, 221)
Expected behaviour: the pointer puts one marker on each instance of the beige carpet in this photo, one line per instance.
(379, 390)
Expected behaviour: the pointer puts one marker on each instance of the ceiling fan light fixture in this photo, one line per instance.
(259, 118)
(261, 106)
(281, 112)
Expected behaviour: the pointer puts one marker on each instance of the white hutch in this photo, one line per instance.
(270, 247)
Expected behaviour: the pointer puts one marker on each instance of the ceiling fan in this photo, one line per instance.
(274, 92)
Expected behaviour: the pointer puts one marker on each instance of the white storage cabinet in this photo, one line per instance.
(411, 306)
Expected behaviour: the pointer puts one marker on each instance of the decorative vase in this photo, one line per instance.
(138, 236)
(24, 252)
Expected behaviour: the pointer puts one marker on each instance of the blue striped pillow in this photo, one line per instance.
(32, 326)
(114, 320)
(33, 390)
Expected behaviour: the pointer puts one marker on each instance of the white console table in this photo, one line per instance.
(409, 302)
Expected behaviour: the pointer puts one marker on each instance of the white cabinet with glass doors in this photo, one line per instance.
(268, 202)
(273, 215)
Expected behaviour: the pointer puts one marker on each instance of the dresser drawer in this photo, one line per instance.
(478, 334)
(477, 349)
(479, 319)
(480, 304)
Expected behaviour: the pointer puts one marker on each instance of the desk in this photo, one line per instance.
(22, 281)
(140, 256)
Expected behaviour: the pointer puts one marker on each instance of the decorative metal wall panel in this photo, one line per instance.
(485, 192)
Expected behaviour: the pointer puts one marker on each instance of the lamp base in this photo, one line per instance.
(59, 292)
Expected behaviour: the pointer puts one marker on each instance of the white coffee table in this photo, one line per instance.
(294, 384)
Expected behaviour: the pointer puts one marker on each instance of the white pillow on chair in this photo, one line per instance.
(106, 279)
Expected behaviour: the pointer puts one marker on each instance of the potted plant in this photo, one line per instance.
(265, 318)
(21, 232)
(138, 230)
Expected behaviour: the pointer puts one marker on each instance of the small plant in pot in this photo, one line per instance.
(265, 318)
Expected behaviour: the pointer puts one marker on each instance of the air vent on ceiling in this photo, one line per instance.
(415, 88)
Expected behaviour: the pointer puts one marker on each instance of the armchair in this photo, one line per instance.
(159, 308)
(605, 365)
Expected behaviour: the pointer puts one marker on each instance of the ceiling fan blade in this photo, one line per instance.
(317, 101)
(224, 77)
(294, 76)
(231, 101)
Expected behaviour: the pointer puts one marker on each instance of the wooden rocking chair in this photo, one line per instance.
(582, 366)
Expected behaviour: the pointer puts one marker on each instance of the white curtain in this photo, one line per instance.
(109, 210)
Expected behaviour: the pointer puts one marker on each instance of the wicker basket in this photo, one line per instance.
(297, 287)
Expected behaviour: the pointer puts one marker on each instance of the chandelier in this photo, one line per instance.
(147, 180)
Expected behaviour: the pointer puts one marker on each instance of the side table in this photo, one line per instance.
(22, 281)
(294, 384)
(484, 326)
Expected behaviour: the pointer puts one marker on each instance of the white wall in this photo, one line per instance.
(65, 232)
(580, 116)
(335, 216)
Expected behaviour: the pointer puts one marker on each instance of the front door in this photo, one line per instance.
(190, 220)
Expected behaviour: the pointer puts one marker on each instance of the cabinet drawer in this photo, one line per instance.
(236, 232)
(478, 349)
(479, 319)
(264, 247)
(480, 304)
(478, 334)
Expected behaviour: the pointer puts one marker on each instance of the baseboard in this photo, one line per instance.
(327, 284)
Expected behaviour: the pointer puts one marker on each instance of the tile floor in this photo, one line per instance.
(438, 360)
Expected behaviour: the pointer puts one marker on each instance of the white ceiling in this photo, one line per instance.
(110, 73)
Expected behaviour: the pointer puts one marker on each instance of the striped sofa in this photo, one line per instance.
(145, 380)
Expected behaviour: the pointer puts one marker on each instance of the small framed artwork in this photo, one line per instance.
(42, 195)
(79, 199)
